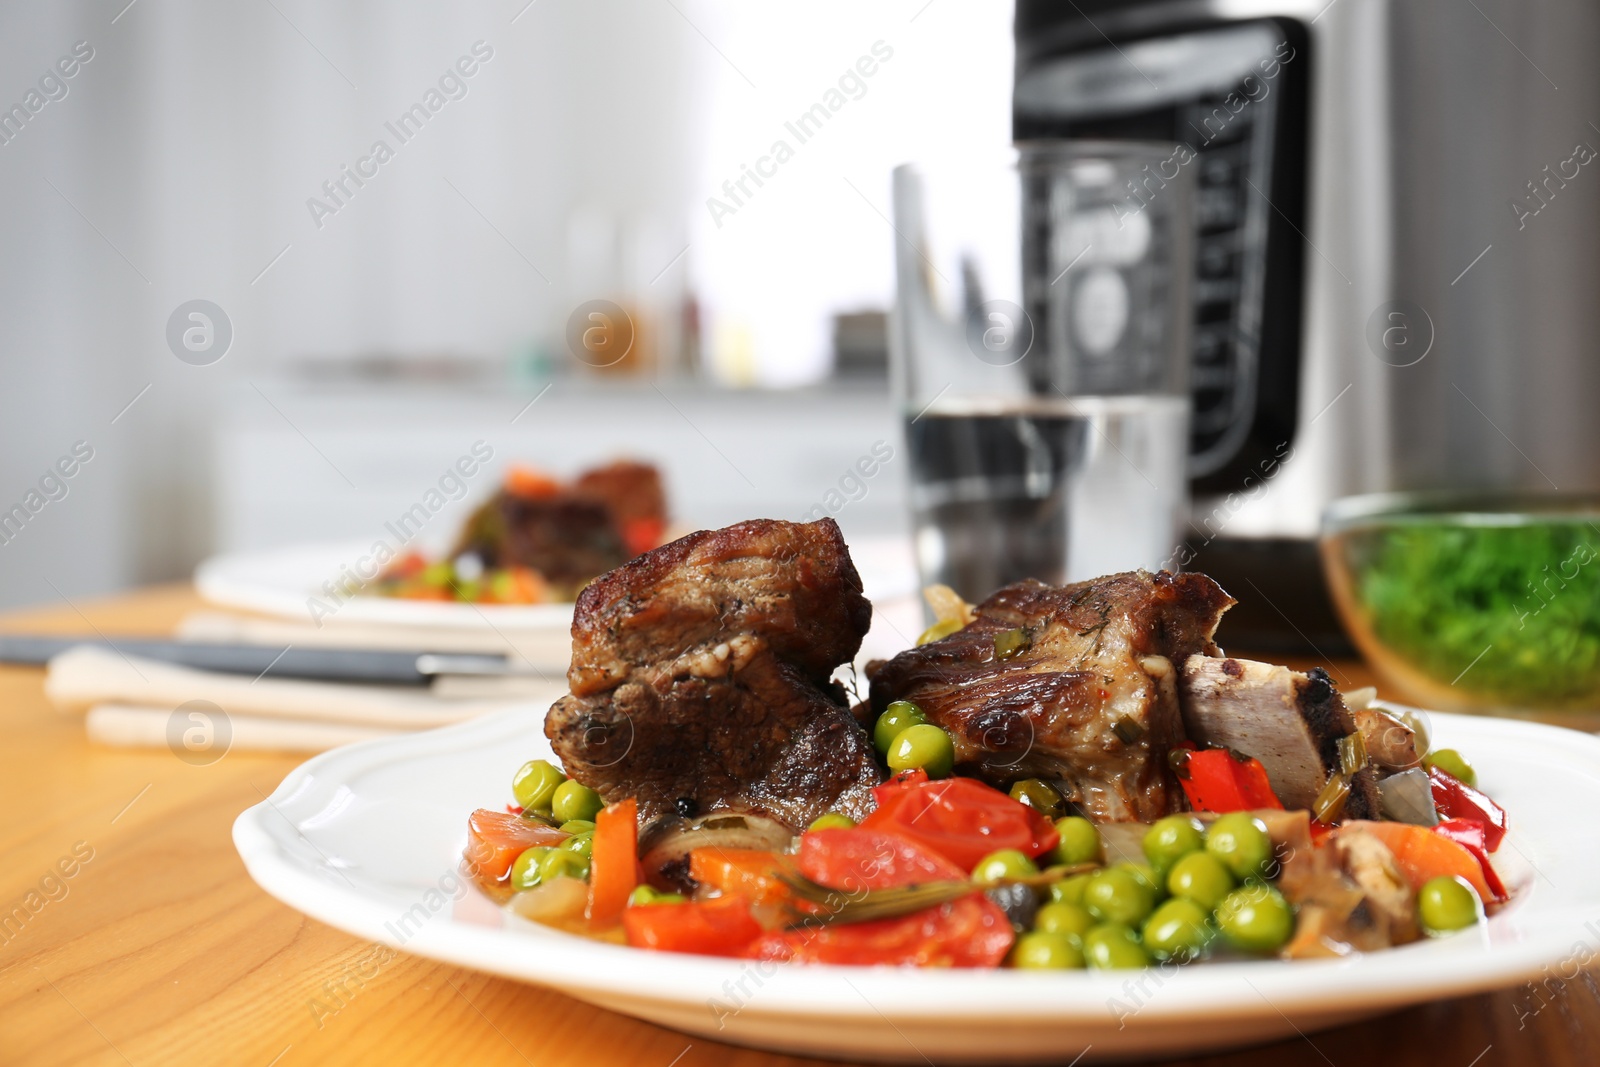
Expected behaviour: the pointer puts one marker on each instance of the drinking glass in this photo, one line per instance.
(1040, 343)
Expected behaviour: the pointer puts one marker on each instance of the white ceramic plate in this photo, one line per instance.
(367, 838)
(282, 581)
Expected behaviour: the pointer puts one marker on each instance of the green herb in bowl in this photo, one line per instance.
(1472, 602)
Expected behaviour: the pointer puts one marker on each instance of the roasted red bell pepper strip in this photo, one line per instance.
(1456, 799)
(1220, 780)
(961, 819)
(719, 927)
(1469, 833)
(970, 932)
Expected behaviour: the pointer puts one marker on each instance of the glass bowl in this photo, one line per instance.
(1472, 601)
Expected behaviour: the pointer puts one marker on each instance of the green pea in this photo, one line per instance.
(1113, 946)
(1240, 841)
(1177, 930)
(1116, 896)
(582, 844)
(939, 631)
(833, 820)
(574, 800)
(1080, 841)
(1042, 951)
(925, 746)
(1146, 876)
(1041, 796)
(644, 894)
(1058, 917)
(1452, 763)
(561, 863)
(525, 871)
(535, 784)
(1171, 839)
(577, 826)
(1446, 905)
(898, 716)
(1255, 918)
(1006, 865)
(1202, 878)
(1069, 890)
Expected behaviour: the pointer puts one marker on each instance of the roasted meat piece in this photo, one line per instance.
(567, 539)
(631, 490)
(1290, 721)
(1087, 692)
(700, 678)
(569, 534)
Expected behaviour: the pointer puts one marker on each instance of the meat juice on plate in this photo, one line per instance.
(1059, 490)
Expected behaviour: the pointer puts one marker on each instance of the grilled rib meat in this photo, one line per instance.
(1090, 698)
(631, 491)
(570, 534)
(1291, 722)
(700, 672)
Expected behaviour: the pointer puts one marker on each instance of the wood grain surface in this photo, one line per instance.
(158, 949)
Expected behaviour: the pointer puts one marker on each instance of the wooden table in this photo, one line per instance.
(160, 950)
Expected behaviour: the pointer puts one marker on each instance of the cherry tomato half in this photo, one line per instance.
(961, 819)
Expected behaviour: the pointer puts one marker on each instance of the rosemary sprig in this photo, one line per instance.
(1051, 875)
(842, 907)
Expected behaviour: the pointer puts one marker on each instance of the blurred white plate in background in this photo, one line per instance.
(288, 583)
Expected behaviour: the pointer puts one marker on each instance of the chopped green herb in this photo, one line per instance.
(1518, 604)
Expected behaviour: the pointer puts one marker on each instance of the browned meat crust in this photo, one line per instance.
(630, 490)
(572, 533)
(1290, 721)
(700, 675)
(566, 539)
(1091, 702)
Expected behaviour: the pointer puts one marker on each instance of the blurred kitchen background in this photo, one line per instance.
(373, 345)
(1395, 280)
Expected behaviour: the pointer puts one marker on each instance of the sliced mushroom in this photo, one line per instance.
(1391, 744)
(1372, 866)
(1349, 895)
